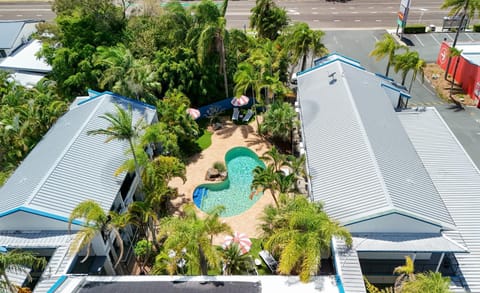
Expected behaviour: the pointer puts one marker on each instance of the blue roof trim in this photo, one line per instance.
(384, 76)
(39, 213)
(338, 54)
(394, 88)
(395, 213)
(339, 284)
(129, 100)
(57, 284)
(329, 62)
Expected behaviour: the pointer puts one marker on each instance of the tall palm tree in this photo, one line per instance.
(248, 78)
(191, 236)
(454, 52)
(279, 121)
(301, 232)
(127, 75)
(265, 179)
(268, 19)
(386, 48)
(274, 158)
(406, 62)
(96, 221)
(302, 41)
(213, 38)
(122, 128)
(418, 68)
(18, 262)
(465, 8)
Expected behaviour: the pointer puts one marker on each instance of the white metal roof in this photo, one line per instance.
(360, 159)
(456, 178)
(68, 166)
(348, 267)
(9, 31)
(34, 239)
(403, 242)
(25, 60)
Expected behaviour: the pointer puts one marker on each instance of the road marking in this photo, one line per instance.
(378, 20)
(448, 35)
(333, 8)
(354, 12)
(428, 90)
(351, 7)
(39, 14)
(336, 20)
(469, 37)
(418, 39)
(435, 39)
(314, 8)
(357, 20)
(314, 12)
(371, 7)
(374, 37)
(19, 14)
(316, 20)
(334, 12)
(373, 12)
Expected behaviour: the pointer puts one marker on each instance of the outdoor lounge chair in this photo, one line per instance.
(236, 113)
(269, 260)
(248, 115)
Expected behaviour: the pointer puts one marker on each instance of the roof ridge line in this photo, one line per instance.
(367, 141)
(69, 145)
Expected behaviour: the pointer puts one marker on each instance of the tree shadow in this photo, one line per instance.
(407, 42)
(246, 130)
(228, 130)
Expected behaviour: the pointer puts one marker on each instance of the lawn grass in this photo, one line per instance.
(205, 140)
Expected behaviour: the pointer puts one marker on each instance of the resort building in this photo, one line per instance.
(66, 168)
(397, 178)
(15, 33)
(25, 67)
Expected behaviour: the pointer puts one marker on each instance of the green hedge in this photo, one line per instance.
(415, 29)
(476, 27)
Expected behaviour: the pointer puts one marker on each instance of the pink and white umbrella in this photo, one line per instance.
(240, 101)
(242, 240)
(194, 113)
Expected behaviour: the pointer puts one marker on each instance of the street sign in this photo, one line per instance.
(403, 13)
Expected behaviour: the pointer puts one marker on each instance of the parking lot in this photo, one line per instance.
(428, 44)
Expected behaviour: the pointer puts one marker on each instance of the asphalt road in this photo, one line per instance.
(319, 14)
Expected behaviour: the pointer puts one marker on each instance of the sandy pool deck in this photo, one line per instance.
(229, 136)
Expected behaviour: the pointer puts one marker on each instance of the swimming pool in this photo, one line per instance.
(233, 193)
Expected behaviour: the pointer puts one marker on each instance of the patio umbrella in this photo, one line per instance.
(240, 101)
(242, 240)
(194, 113)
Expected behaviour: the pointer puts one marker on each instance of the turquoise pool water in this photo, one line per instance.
(234, 192)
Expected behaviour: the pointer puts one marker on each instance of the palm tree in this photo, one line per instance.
(419, 67)
(234, 261)
(268, 19)
(190, 236)
(406, 273)
(454, 52)
(466, 8)
(427, 282)
(302, 40)
(248, 78)
(274, 158)
(212, 38)
(386, 47)
(127, 75)
(265, 179)
(122, 128)
(96, 221)
(299, 233)
(279, 121)
(18, 262)
(406, 62)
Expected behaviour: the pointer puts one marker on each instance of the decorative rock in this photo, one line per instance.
(212, 174)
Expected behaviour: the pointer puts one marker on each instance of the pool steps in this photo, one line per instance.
(198, 195)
